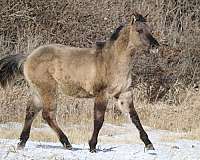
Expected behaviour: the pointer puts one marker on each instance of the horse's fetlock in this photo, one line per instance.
(92, 144)
(21, 145)
(64, 140)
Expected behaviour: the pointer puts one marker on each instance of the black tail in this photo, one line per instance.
(11, 67)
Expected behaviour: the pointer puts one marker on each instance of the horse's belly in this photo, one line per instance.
(74, 82)
(75, 90)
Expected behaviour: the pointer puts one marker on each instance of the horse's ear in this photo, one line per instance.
(138, 17)
(146, 16)
(133, 19)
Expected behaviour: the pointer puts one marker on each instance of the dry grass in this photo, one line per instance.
(180, 117)
(76, 134)
(191, 135)
(28, 24)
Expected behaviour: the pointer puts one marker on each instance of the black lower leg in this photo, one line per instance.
(64, 140)
(143, 135)
(99, 112)
(30, 115)
(93, 141)
(51, 120)
(24, 137)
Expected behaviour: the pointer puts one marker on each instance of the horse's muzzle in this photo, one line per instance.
(153, 42)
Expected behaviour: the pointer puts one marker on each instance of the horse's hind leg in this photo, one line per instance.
(48, 95)
(127, 103)
(33, 108)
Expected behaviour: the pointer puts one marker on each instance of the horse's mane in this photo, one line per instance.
(100, 44)
(113, 37)
(116, 32)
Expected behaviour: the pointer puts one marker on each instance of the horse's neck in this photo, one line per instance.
(114, 59)
(121, 53)
(120, 45)
(117, 64)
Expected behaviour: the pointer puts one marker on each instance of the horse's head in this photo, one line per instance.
(140, 33)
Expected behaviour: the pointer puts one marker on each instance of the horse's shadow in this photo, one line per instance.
(110, 149)
(46, 146)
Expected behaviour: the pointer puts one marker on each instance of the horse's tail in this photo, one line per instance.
(11, 67)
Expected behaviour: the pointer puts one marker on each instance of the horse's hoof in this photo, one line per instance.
(149, 147)
(20, 146)
(68, 146)
(93, 150)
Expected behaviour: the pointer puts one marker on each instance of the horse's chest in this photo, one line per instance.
(121, 83)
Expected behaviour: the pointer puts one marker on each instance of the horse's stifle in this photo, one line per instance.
(101, 72)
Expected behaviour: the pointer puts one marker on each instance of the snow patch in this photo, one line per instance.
(113, 149)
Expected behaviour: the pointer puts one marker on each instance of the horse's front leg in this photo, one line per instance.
(99, 112)
(126, 103)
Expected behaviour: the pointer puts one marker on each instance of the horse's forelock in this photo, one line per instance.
(139, 18)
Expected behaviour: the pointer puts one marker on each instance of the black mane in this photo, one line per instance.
(113, 37)
(116, 32)
(100, 44)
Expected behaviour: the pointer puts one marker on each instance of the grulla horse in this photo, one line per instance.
(102, 72)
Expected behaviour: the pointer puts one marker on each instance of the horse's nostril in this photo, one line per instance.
(122, 103)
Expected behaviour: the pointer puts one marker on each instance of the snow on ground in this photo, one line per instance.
(176, 150)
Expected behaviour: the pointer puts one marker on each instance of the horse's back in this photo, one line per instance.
(47, 51)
